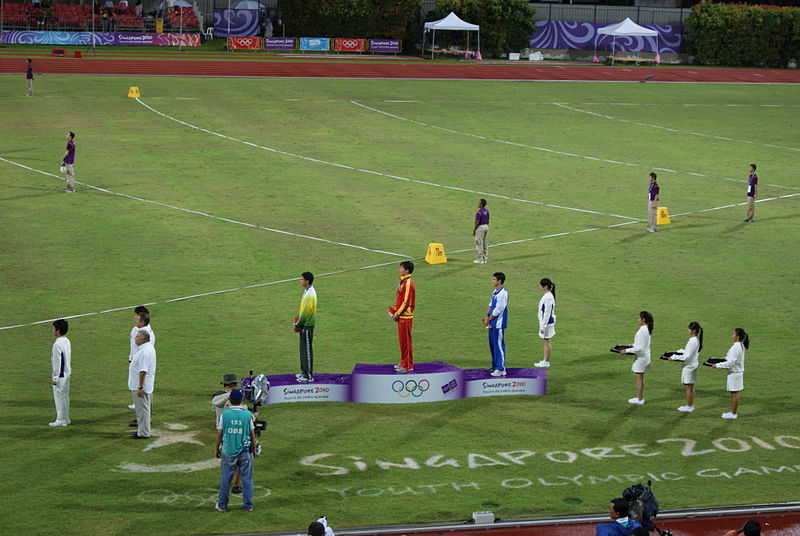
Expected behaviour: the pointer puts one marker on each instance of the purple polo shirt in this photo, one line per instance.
(482, 216)
(29, 72)
(70, 158)
(654, 189)
(752, 181)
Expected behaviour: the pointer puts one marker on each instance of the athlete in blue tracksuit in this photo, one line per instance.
(496, 321)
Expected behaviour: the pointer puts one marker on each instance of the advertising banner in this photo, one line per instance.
(279, 43)
(100, 38)
(325, 388)
(515, 382)
(343, 44)
(385, 45)
(568, 35)
(236, 42)
(243, 22)
(316, 44)
(430, 382)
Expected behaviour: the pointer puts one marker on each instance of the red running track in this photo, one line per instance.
(396, 70)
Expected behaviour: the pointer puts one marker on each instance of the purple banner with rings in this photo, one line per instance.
(384, 45)
(100, 38)
(582, 35)
(242, 22)
(279, 43)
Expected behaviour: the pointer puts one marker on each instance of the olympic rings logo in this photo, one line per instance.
(195, 497)
(407, 388)
(349, 43)
(244, 41)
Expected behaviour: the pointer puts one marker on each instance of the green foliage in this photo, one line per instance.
(387, 19)
(506, 25)
(723, 34)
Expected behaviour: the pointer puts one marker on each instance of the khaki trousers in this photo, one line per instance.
(70, 176)
(482, 242)
(652, 210)
(143, 406)
(751, 207)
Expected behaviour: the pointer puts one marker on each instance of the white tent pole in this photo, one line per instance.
(433, 43)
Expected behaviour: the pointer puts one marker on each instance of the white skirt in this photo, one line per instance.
(549, 331)
(641, 365)
(735, 381)
(688, 376)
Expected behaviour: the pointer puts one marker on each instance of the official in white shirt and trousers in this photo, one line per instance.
(141, 320)
(141, 380)
(61, 361)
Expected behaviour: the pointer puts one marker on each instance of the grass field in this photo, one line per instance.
(413, 178)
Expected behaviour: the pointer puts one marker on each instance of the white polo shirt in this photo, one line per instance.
(143, 360)
(136, 330)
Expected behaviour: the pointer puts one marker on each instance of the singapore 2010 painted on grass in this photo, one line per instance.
(323, 462)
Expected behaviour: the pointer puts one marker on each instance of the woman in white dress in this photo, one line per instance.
(547, 319)
(734, 362)
(641, 349)
(689, 355)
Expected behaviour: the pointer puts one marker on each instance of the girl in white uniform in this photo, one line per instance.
(734, 362)
(641, 348)
(689, 355)
(547, 319)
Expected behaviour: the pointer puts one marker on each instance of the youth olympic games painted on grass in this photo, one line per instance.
(425, 462)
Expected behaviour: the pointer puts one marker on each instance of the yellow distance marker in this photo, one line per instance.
(133, 92)
(662, 217)
(435, 254)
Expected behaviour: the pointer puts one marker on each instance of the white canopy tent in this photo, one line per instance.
(626, 28)
(450, 22)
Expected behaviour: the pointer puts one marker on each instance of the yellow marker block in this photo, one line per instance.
(662, 217)
(133, 92)
(435, 254)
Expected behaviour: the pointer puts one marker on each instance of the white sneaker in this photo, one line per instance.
(477, 261)
(686, 409)
(56, 423)
(542, 364)
(131, 406)
(498, 373)
(729, 415)
(218, 509)
(636, 401)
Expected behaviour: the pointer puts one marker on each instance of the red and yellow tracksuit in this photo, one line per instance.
(404, 309)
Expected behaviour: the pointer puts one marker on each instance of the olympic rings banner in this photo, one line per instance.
(244, 43)
(343, 44)
(381, 384)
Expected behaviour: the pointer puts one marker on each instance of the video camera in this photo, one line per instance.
(255, 389)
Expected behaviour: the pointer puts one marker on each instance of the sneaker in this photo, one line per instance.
(218, 509)
(305, 379)
(498, 373)
(477, 261)
(56, 423)
(69, 191)
(247, 509)
(635, 401)
(403, 369)
(131, 406)
(686, 409)
(299, 375)
(729, 415)
(398, 367)
(236, 490)
(542, 364)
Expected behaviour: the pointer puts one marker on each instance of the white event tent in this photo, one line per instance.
(450, 22)
(623, 29)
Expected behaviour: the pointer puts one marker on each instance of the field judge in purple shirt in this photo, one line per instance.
(29, 77)
(68, 161)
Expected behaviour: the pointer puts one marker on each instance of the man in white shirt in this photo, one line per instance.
(141, 320)
(61, 360)
(141, 381)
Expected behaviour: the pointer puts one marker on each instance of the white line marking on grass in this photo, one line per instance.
(679, 131)
(371, 172)
(544, 149)
(379, 265)
(212, 216)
